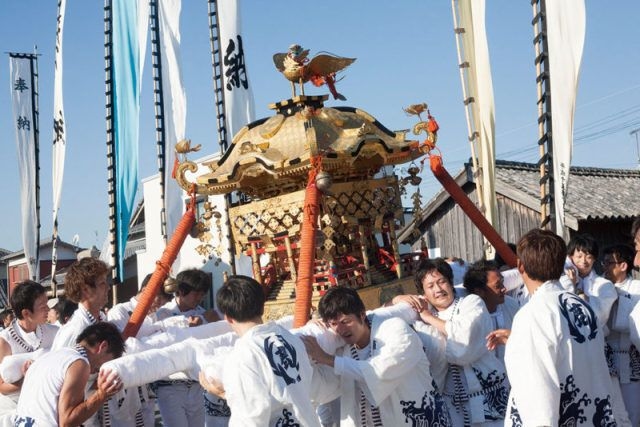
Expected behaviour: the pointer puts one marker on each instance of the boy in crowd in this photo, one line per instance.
(26, 334)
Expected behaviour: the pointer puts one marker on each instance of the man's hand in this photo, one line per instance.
(212, 386)
(315, 352)
(497, 337)
(194, 321)
(211, 316)
(415, 301)
(109, 382)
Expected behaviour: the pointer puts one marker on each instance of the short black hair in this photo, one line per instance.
(340, 300)
(583, 242)
(498, 258)
(6, 313)
(193, 280)
(476, 276)
(621, 253)
(103, 331)
(65, 308)
(241, 298)
(428, 265)
(24, 296)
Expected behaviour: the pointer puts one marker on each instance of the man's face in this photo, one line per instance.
(101, 356)
(437, 290)
(352, 328)
(52, 316)
(495, 290)
(613, 269)
(191, 300)
(98, 296)
(40, 310)
(583, 262)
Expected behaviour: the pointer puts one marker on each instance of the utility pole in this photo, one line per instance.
(632, 133)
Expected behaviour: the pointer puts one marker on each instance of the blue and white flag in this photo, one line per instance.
(128, 46)
(23, 96)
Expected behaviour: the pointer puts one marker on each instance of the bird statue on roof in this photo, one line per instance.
(321, 69)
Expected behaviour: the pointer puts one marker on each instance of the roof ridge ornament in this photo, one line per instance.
(321, 69)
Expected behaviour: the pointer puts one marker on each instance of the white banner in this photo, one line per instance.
(22, 96)
(476, 52)
(238, 97)
(59, 137)
(566, 23)
(239, 107)
(175, 107)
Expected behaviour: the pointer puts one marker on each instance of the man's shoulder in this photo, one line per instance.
(390, 324)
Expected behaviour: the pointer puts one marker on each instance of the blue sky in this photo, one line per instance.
(406, 54)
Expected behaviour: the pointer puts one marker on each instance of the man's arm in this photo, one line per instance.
(7, 388)
(73, 410)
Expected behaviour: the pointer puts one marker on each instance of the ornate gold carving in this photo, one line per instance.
(271, 127)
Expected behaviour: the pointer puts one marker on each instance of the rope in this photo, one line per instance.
(163, 267)
(307, 256)
(375, 412)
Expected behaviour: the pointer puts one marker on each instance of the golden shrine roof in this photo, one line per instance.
(274, 154)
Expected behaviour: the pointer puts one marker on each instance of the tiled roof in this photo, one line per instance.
(594, 193)
(133, 246)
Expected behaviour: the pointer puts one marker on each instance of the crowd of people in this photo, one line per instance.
(548, 343)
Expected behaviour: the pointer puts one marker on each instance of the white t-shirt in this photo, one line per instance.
(38, 404)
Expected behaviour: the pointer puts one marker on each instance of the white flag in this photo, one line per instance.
(239, 107)
(59, 136)
(24, 120)
(238, 97)
(476, 50)
(566, 23)
(175, 107)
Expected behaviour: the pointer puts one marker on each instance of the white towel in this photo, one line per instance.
(11, 366)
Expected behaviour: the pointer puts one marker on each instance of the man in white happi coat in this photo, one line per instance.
(554, 356)
(27, 333)
(476, 385)
(381, 374)
(581, 279)
(136, 403)
(180, 399)
(85, 284)
(483, 278)
(623, 356)
(54, 386)
(267, 377)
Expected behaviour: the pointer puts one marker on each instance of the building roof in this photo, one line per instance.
(594, 193)
(43, 244)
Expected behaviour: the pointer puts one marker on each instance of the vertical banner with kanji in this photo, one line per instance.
(239, 108)
(23, 97)
(566, 27)
(59, 140)
(238, 97)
